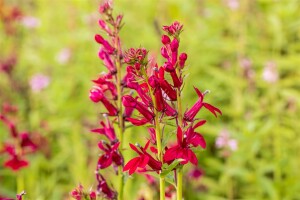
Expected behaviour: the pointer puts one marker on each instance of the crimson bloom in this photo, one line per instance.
(185, 141)
(111, 155)
(142, 160)
(107, 129)
(96, 95)
(129, 101)
(104, 189)
(190, 114)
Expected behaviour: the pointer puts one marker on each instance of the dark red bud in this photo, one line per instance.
(165, 39)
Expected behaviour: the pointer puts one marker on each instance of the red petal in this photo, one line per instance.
(199, 93)
(134, 148)
(104, 161)
(212, 109)
(200, 123)
(131, 164)
(179, 136)
(144, 161)
(192, 157)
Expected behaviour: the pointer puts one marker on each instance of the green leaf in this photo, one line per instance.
(170, 167)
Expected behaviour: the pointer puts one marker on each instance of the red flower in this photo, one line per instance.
(190, 114)
(184, 143)
(111, 155)
(174, 29)
(105, 83)
(104, 189)
(109, 49)
(96, 95)
(133, 56)
(107, 130)
(16, 163)
(20, 196)
(129, 101)
(142, 160)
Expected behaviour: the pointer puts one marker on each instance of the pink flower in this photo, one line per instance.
(270, 73)
(39, 82)
(225, 141)
(107, 46)
(64, 56)
(196, 173)
(30, 22)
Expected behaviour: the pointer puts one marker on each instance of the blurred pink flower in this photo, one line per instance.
(232, 4)
(225, 141)
(196, 173)
(30, 22)
(270, 73)
(38, 82)
(64, 56)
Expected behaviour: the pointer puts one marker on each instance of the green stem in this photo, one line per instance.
(158, 137)
(180, 123)
(20, 182)
(179, 183)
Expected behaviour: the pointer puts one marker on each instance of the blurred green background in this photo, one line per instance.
(246, 52)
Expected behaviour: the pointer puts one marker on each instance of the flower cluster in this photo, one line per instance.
(149, 94)
(79, 194)
(157, 96)
(108, 91)
(20, 145)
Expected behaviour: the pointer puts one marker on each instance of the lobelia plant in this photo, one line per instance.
(155, 104)
(159, 104)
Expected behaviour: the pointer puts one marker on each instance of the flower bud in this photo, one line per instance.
(165, 39)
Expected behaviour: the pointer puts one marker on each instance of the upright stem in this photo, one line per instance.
(159, 149)
(180, 123)
(120, 113)
(158, 139)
